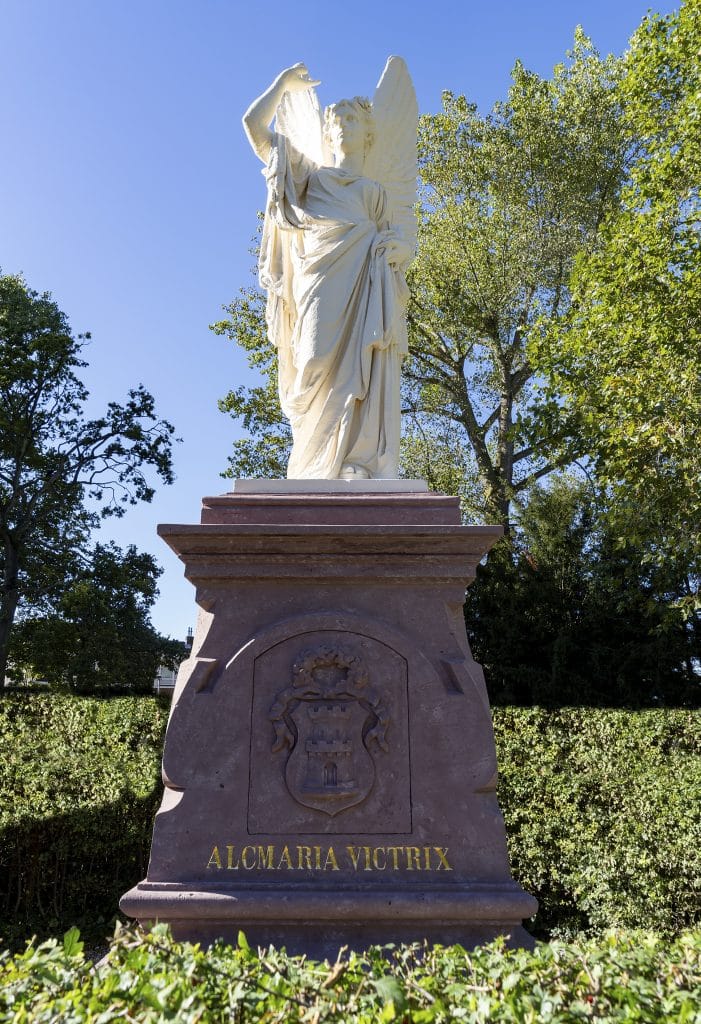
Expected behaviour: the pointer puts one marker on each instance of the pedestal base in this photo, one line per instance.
(329, 761)
(320, 922)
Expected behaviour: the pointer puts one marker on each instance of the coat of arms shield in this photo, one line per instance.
(328, 718)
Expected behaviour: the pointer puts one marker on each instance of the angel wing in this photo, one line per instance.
(299, 117)
(393, 158)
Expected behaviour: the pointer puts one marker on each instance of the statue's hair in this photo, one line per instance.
(363, 107)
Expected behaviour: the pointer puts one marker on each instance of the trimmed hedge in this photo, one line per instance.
(80, 784)
(603, 815)
(634, 977)
(602, 811)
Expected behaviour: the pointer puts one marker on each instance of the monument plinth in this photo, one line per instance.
(329, 761)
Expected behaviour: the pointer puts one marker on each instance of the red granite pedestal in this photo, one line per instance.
(329, 762)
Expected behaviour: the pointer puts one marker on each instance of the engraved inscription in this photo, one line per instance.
(272, 857)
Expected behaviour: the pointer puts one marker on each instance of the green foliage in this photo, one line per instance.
(626, 360)
(80, 784)
(264, 453)
(430, 451)
(601, 810)
(51, 456)
(100, 637)
(564, 613)
(603, 816)
(625, 977)
(507, 201)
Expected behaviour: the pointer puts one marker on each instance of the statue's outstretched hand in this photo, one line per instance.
(297, 78)
(259, 115)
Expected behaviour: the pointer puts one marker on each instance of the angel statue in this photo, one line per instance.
(339, 234)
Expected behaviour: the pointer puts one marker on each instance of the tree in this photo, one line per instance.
(99, 638)
(52, 457)
(507, 201)
(566, 614)
(625, 359)
(265, 451)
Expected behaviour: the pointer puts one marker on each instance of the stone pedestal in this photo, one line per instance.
(329, 762)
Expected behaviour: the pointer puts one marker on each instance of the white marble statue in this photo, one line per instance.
(339, 234)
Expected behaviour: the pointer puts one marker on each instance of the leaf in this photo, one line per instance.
(72, 946)
(391, 993)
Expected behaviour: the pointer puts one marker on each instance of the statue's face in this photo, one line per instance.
(347, 130)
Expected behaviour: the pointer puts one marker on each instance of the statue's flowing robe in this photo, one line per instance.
(336, 313)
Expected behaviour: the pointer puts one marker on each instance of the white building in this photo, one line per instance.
(165, 677)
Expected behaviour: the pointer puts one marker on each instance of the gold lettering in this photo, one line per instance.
(331, 859)
(394, 850)
(318, 858)
(284, 859)
(265, 857)
(443, 864)
(375, 853)
(354, 853)
(413, 854)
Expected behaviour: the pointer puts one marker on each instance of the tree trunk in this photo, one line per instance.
(9, 597)
(505, 451)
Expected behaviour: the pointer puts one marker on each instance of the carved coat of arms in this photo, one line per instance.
(329, 719)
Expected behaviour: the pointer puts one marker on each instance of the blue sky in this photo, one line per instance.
(127, 188)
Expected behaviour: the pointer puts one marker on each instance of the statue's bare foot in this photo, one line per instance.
(351, 472)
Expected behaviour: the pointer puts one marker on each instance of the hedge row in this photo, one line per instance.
(80, 784)
(634, 977)
(602, 811)
(603, 815)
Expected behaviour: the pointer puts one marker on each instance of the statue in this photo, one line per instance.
(339, 234)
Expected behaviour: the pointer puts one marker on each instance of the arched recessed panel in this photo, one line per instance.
(329, 737)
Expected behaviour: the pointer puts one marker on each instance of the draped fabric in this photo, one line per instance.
(336, 313)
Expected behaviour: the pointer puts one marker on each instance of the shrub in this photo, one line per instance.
(80, 784)
(620, 978)
(601, 808)
(603, 815)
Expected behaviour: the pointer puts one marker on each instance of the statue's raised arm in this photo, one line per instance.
(339, 234)
(259, 116)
